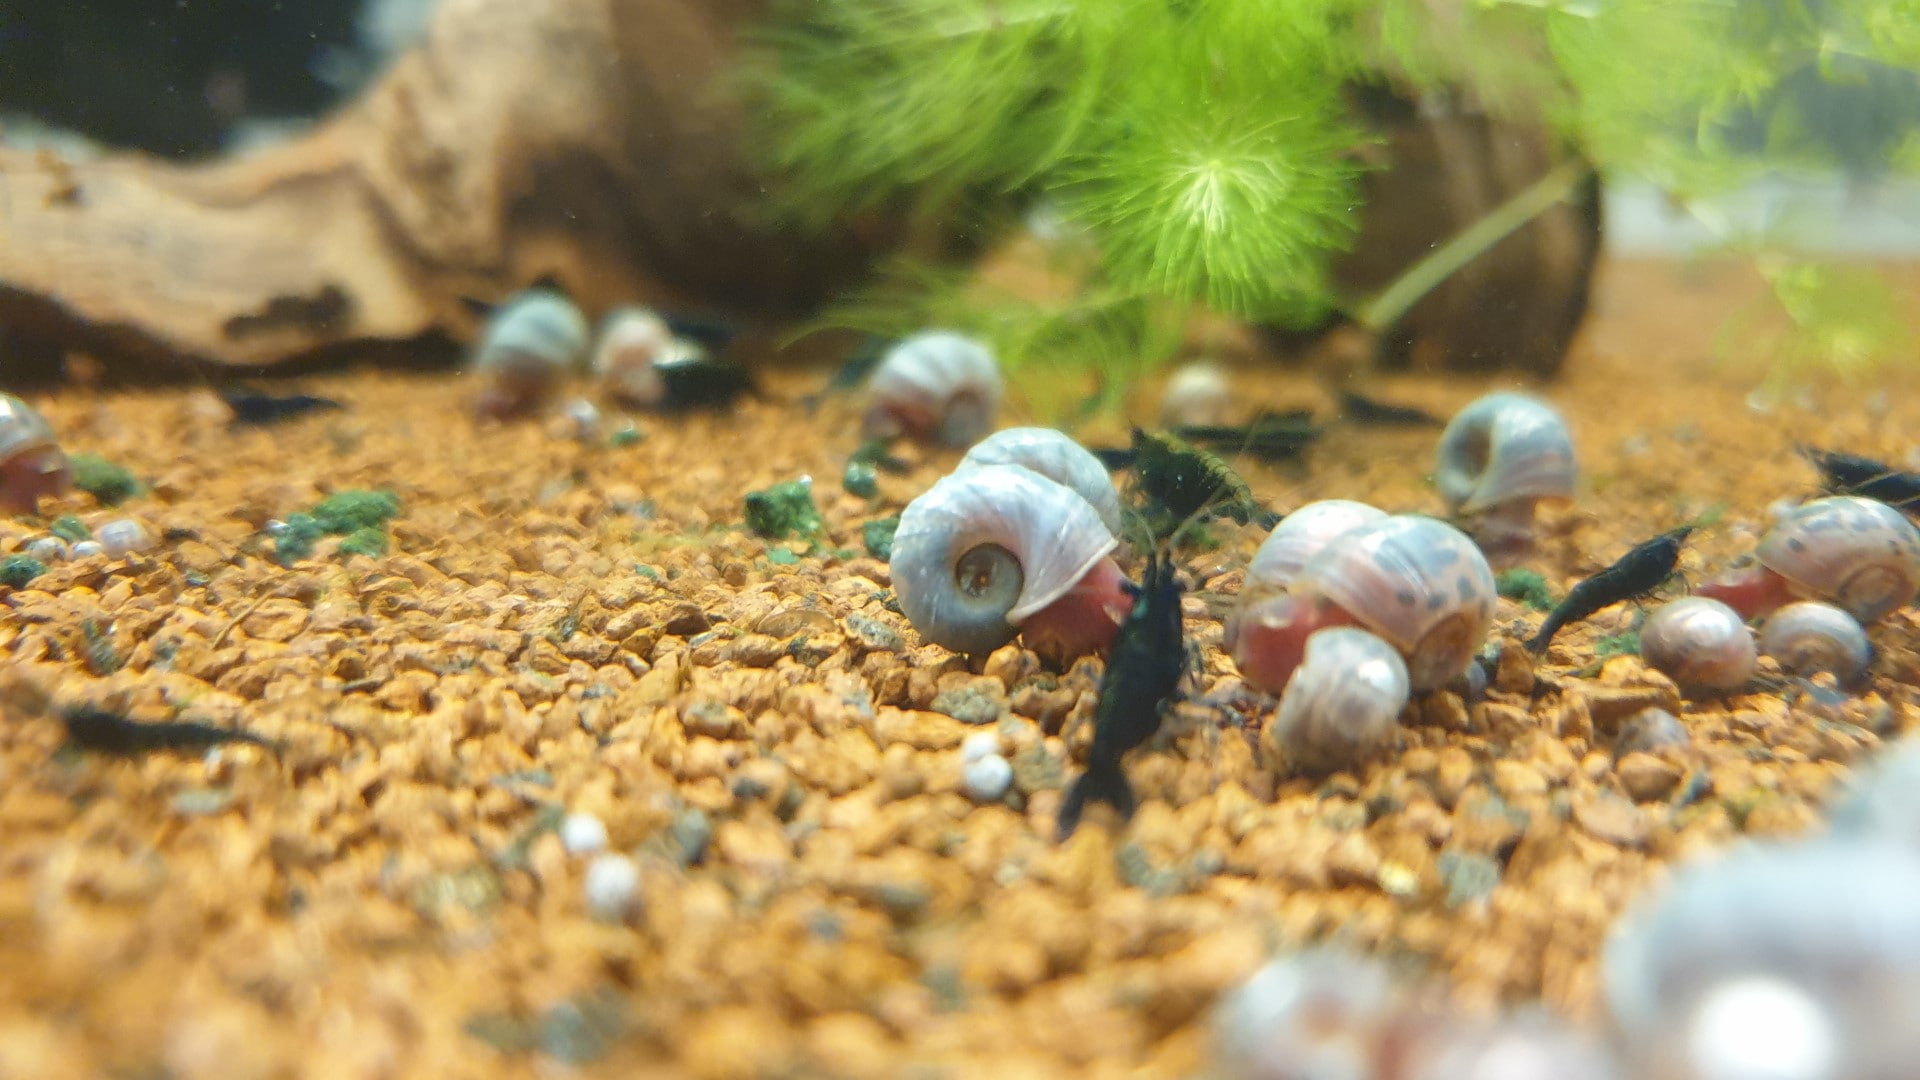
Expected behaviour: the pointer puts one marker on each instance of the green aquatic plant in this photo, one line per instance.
(70, 528)
(783, 510)
(1526, 586)
(349, 511)
(1189, 154)
(371, 541)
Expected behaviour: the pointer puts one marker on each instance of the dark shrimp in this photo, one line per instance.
(1143, 671)
(111, 733)
(1851, 474)
(1640, 571)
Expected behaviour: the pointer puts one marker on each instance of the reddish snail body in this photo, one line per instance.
(1419, 584)
(31, 461)
(1860, 555)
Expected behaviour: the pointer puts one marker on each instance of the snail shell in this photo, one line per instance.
(1701, 643)
(988, 546)
(529, 345)
(1860, 554)
(1300, 536)
(1815, 943)
(1810, 637)
(1197, 394)
(1501, 448)
(31, 461)
(1056, 457)
(632, 340)
(1341, 704)
(938, 385)
(1418, 583)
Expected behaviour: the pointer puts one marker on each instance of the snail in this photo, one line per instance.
(1500, 457)
(1778, 961)
(1321, 1012)
(1299, 536)
(632, 340)
(1197, 395)
(31, 462)
(1808, 637)
(995, 551)
(1056, 457)
(528, 347)
(1700, 643)
(1860, 555)
(937, 386)
(1341, 704)
(1417, 583)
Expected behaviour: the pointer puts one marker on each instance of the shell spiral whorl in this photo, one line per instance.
(1342, 703)
(988, 546)
(1502, 447)
(937, 385)
(1056, 457)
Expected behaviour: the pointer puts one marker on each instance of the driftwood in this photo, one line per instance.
(585, 142)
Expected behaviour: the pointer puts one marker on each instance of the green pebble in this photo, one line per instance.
(351, 511)
(370, 541)
(878, 535)
(295, 541)
(626, 435)
(108, 483)
(860, 479)
(17, 570)
(1526, 586)
(783, 510)
(70, 528)
(781, 557)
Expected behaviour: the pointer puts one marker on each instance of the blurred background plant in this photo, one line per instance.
(1185, 155)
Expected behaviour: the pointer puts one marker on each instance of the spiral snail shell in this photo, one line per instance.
(994, 551)
(1861, 555)
(1700, 643)
(1300, 536)
(632, 340)
(1809, 637)
(528, 347)
(31, 461)
(936, 386)
(1419, 584)
(1498, 458)
(1341, 704)
(1197, 394)
(1056, 457)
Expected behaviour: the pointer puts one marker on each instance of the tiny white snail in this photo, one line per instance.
(1342, 703)
(632, 340)
(1419, 584)
(936, 386)
(529, 345)
(995, 551)
(31, 462)
(1197, 394)
(1498, 458)
(1299, 537)
(1700, 643)
(1808, 637)
(1860, 555)
(1056, 457)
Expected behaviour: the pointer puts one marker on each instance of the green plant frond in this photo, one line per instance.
(1218, 179)
(1838, 322)
(1493, 50)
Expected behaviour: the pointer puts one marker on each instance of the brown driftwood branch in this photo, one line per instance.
(588, 142)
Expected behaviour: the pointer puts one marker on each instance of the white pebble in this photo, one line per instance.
(87, 548)
(124, 537)
(988, 778)
(583, 834)
(979, 745)
(612, 883)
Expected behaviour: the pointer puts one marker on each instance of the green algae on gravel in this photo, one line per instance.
(16, 571)
(108, 483)
(784, 510)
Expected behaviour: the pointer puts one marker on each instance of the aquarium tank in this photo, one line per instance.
(845, 539)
